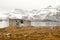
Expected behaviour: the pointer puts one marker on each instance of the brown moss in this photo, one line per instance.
(30, 33)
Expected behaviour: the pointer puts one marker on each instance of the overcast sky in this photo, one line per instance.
(27, 4)
(6, 5)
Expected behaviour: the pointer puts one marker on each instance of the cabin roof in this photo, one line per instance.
(18, 19)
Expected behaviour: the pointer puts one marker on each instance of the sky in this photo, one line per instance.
(27, 4)
(8, 5)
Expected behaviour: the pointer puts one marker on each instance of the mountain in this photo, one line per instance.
(49, 14)
(35, 15)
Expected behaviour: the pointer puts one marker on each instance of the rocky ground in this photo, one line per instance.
(30, 33)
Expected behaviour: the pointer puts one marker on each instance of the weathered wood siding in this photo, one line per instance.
(17, 22)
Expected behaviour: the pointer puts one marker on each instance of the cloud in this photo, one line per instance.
(27, 4)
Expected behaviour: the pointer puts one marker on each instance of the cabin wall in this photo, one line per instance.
(25, 23)
(18, 23)
(13, 22)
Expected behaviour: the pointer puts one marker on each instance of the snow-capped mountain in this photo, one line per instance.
(46, 14)
(49, 14)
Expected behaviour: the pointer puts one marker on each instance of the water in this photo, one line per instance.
(4, 24)
(45, 23)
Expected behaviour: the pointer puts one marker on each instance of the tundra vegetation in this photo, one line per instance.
(30, 33)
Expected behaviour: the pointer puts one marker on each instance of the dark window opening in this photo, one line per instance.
(16, 21)
(21, 21)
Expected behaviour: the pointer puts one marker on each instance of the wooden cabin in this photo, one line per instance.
(19, 22)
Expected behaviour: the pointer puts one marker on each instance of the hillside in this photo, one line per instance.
(30, 33)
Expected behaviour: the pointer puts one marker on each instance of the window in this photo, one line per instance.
(21, 21)
(16, 20)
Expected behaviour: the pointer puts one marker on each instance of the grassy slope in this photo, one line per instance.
(30, 33)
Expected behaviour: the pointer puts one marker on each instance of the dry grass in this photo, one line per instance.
(30, 33)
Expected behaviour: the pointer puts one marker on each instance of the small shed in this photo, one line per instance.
(19, 22)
